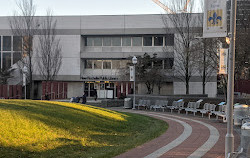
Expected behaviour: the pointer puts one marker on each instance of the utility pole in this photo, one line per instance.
(229, 140)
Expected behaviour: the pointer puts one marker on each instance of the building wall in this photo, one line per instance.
(71, 30)
(196, 88)
(70, 67)
(75, 89)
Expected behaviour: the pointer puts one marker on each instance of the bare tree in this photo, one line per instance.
(24, 25)
(186, 26)
(49, 49)
(207, 59)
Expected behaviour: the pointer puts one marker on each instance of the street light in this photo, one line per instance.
(25, 70)
(134, 61)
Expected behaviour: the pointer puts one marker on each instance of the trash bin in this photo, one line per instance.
(240, 111)
(127, 103)
(245, 137)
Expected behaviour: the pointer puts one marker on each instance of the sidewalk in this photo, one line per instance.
(187, 136)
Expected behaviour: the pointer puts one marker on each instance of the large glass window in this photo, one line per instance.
(168, 63)
(6, 43)
(97, 64)
(106, 41)
(136, 41)
(106, 64)
(97, 41)
(126, 41)
(17, 43)
(16, 57)
(147, 41)
(169, 40)
(115, 64)
(89, 41)
(158, 41)
(6, 60)
(88, 64)
(116, 41)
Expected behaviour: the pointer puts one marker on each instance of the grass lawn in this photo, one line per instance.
(56, 129)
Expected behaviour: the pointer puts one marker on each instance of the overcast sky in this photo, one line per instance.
(87, 7)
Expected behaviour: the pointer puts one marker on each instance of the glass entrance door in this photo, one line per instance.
(89, 89)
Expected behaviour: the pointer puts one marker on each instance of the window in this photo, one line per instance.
(116, 41)
(106, 41)
(158, 41)
(97, 41)
(88, 64)
(168, 63)
(147, 41)
(169, 40)
(89, 41)
(16, 57)
(6, 43)
(17, 43)
(97, 64)
(136, 41)
(106, 64)
(115, 64)
(6, 60)
(126, 41)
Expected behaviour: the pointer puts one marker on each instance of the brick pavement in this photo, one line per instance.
(200, 135)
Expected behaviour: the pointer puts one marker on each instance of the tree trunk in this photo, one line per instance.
(204, 68)
(187, 87)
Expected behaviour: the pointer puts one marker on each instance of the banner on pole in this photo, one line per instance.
(24, 79)
(215, 18)
(131, 68)
(223, 61)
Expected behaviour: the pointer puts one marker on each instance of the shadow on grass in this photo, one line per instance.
(74, 150)
(111, 136)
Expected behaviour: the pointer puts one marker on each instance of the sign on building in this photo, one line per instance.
(131, 69)
(223, 61)
(215, 18)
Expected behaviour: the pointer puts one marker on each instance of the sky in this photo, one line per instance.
(87, 7)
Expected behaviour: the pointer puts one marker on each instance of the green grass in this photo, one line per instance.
(57, 129)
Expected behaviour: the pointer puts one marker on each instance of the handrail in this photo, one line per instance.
(16, 96)
(48, 94)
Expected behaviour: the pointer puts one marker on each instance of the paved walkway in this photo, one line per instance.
(187, 136)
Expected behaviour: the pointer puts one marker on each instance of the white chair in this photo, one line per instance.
(193, 106)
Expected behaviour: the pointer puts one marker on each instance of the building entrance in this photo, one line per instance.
(104, 89)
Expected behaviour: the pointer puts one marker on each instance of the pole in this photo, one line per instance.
(229, 139)
(25, 91)
(134, 90)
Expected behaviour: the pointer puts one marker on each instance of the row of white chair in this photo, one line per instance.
(178, 105)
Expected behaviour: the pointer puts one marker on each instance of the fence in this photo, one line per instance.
(54, 90)
(10, 91)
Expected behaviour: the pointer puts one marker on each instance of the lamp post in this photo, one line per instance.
(134, 61)
(229, 139)
(25, 70)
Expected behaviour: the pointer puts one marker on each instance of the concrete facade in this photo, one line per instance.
(75, 32)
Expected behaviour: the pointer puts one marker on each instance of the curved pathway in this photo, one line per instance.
(187, 136)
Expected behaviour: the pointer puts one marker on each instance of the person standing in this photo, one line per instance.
(84, 98)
